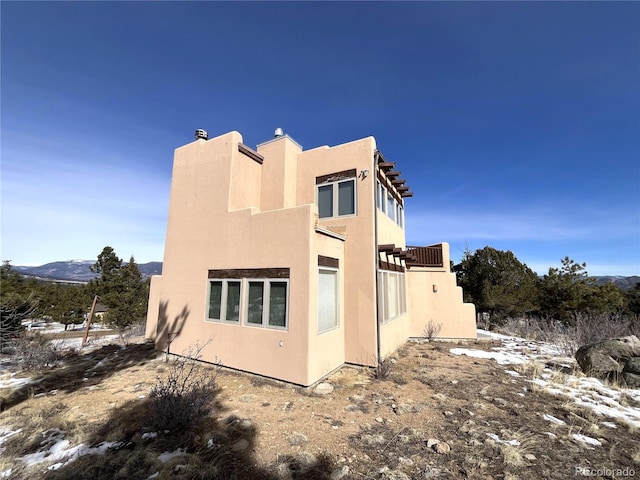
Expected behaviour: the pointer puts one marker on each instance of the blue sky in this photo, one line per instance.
(517, 125)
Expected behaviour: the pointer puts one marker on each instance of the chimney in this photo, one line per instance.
(201, 134)
(278, 133)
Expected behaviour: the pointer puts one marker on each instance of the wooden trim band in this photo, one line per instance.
(334, 177)
(250, 273)
(252, 154)
(328, 262)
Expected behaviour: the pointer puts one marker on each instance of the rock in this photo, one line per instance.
(339, 473)
(324, 388)
(432, 441)
(442, 448)
(530, 457)
(240, 445)
(297, 439)
(405, 461)
(448, 414)
(631, 380)
(632, 366)
(247, 398)
(606, 359)
(387, 474)
(379, 420)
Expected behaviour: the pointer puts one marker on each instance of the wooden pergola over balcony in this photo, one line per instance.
(430, 256)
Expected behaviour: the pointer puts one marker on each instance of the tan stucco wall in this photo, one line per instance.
(359, 248)
(326, 350)
(228, 211)
(444, 306)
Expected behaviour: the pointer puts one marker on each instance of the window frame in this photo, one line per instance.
(223, 301)
(243, 302)
(336, 273)
(266, 303)
(400, 294)
(335, 195)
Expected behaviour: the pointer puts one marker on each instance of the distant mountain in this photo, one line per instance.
(78, 270)
(624, 283)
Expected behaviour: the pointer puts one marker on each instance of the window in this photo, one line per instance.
(224, 300)
(266, 301)
(336, 198)
(259, 302)
(391, 295)
(327, 300)
(399, 219)
(391, 206)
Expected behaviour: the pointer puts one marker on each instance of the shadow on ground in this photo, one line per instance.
(81, 370)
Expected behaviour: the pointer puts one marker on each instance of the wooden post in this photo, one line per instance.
(86, 330)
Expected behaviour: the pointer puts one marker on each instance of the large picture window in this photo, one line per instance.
(391, 295)
(327, 299)
(257, 302)
(336, 194)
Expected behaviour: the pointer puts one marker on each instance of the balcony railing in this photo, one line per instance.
(430, 256)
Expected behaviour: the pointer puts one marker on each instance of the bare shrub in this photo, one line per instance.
(431, 329)
(34, 352)
(588, 328)
(131, 331)
(185, 394)
(382, 370)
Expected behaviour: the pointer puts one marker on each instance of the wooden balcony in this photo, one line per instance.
(430, 256)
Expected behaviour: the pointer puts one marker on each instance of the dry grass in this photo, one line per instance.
(263, 430)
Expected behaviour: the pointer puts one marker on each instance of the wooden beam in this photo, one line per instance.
(386, 165)
(398, 181)
(395, 173)
(387, 247)
(406, 194)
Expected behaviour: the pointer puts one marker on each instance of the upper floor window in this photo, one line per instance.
(389, 205)
(336, 194)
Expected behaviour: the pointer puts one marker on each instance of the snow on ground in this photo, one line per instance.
(55, 327)
(13, 383)
(587, 392)
(57, 449)
(76, 343)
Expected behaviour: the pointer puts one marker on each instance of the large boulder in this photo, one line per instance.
(607, 359)
(631, 373)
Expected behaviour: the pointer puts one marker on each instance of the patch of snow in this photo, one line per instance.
(502, 357)
(166, 456)
(587, 392)
(610, 424)
(5, 433)
(552, 419)
(15, 382)
(588, 440)
(57, 450)
(551, 435)
(153, 475)
(6, 473)
(149, 435)
(495, 437)
(513, 373)
(101, 364)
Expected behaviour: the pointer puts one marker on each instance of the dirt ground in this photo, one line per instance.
(435, 415)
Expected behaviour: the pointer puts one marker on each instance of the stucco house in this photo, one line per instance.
(293, 262)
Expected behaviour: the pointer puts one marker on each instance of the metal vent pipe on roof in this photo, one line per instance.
(278, 133)
(200, 133)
